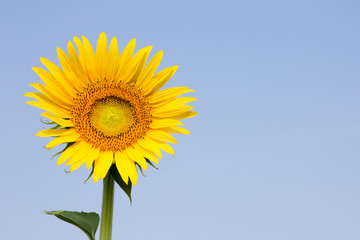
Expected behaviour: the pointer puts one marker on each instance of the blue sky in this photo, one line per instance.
(274, 151)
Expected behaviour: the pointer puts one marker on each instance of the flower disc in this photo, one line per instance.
(112, 116)
(109, 107)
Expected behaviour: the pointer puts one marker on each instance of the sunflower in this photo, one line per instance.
(108, 108)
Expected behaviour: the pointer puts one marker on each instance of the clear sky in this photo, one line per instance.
(274, 152)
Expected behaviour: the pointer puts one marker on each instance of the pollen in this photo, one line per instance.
(111, 116)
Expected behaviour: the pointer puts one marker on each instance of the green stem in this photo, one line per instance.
(107, 208)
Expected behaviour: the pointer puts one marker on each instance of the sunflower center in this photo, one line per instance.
(112, 116)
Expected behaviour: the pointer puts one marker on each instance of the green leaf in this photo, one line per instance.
(91, 173)
(151, 164)
(116, 176)
(141, 170)
(88, 222)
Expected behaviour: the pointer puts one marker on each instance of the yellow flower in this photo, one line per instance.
(109, 109)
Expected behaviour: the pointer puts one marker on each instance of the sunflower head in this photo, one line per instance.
(108, 107)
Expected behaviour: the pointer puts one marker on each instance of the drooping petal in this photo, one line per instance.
(68, 153)
(146, 153)
(148, 144)
(79, 157)
(131, 168)
(77, 164)
(165, 147)
(121, 161)
(80, 154)
(90, 158)
(103, 164)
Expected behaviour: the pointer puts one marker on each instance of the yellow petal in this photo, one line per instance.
(63, 139)
(77, 164)
(137, 63)
(69, 70)
(113, 60)
(181, 101)
(149, 70)
(90, 60)
(103, 164)
(62, 122)
(52, 94)
(43, 98)
(77, 161)
(121, 160)
(75, 61)
(68, 153)
(174, 107)
(159, 80)
(136, 157)
(176, 129)
(101, 55)
(53, 84)
(160, 136)
(146, 153)
(131, 169)
(162, 123)
(165, 147)
(148, 144)
(80, 154)
(124, 60)
(169, 112)
(90, 158)
(60, 112)
(59, 76)
(166, 95)
(183, 115)
(81, 51)
(54, 132)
